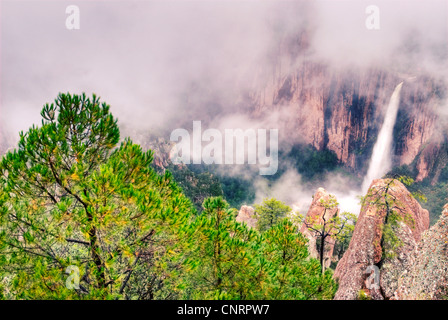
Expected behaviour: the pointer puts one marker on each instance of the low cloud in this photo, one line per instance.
(161, 65)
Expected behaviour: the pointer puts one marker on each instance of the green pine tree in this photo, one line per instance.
(269, 213)
(228, 260)
(71, 198)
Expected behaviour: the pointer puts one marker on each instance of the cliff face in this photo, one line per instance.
(342, 110)
(427, 278)
(247, 215)
(368, 247)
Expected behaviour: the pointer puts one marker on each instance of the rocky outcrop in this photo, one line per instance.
(160, 147)
(386, 234)
(247, 215)
(427, 278)
(315, 216)
(400, 260)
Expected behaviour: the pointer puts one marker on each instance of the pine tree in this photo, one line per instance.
(226, 259)
(219, 254)
(71, 198)
(290, 273)
(269, 213)
(384, 199)
(329, 230)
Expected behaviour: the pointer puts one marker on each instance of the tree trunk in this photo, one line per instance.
(322, 247)
(322, 254)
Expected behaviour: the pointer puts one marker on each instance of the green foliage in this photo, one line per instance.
(431, 193)
(68, 198)
(269, 212)
(219, 256)
(202, 181)
(295, 276)
(444, 175)
(383, 199)
(228, 260)
(312, 163)
(346, 227)
(391, 242)
(408, 182)
(402, 171)
(196, 186)
(437, 197)
(363, 295)
(237, 191)
(336, 229)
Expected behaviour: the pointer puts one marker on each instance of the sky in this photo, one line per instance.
(159, 62)
(145, 58)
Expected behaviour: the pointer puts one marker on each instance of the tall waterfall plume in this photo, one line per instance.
(380, 162)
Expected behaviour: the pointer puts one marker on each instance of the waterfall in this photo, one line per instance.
(380, 162)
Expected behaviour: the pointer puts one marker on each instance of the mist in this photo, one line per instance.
(161, 65)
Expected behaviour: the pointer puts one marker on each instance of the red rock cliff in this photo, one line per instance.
(342, 110)
(367, 246)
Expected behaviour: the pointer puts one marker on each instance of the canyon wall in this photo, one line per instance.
(342, 110)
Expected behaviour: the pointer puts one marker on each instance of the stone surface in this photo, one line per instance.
(247, 215)
(392, 268)
(366, 247)
(427, 278)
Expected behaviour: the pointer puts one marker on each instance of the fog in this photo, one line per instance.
(163, 64)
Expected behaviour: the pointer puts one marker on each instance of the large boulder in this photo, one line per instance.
(247, 215)
(316, 213)
(427, 278)
(368, 252)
